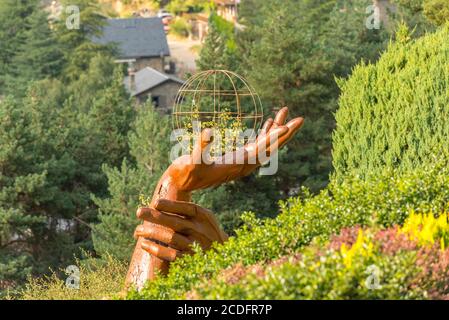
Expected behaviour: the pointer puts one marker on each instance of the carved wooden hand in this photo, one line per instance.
(172, 223)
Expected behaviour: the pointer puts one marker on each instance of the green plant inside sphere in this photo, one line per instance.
(220, 100)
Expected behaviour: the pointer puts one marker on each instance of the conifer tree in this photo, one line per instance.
(423, 14)
(21, 181)
(219, 48)
(13, 24)
(77, 39)
(38, 55)
(386, 119)
(149, 157)
(51, 167)
(293, 63)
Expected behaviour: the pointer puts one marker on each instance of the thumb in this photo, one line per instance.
(202, 146)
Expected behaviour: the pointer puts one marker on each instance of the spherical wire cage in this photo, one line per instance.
(218, 99)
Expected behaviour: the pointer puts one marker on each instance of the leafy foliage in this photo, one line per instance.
(36, 56)
(292, 68)
(77, 44)
(180, 27)
(321, 233)
(180, 6)
(433, 12)
(292, 62)
(357, 264)
(51, 159)
(392, 114)
(75, 156)
(218, 51)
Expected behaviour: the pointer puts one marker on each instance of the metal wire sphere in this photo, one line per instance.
(208, 94)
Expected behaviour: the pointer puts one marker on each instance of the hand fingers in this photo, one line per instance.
(157, 250)
(182, 208)
(267, 126)
(269, 141)
(174, 222)
(164, 235)
(248, 154)
(293, 127)
(189, 210)
(281, 116)
(201, 147)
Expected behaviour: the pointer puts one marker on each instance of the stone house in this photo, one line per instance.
(140, 42)
(200, 25)
(149, 83)
(227, 9)
(386, 7)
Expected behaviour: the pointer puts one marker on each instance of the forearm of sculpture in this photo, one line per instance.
(167, 189)
(172, 223)
(177, 222)
(145, 266)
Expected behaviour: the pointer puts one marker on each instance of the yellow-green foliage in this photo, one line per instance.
(99, 279)
(394, 113)
(362, 247)
(427, 229)
(436, 11)
(180, 27)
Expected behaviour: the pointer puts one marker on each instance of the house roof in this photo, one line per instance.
(147, 79)
(227, 2)
(136, 37)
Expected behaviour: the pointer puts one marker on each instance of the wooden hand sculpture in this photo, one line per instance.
(177, 224)
(172, 223)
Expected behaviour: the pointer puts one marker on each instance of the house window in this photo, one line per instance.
(156, 101)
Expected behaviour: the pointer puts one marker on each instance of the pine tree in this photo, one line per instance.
(51, 167)
(113, 234)
(20, 179)
(77, 43)
(293, 63)
(55, 140)
(13, 24)
(149, 151)
(219, 48)
(38, 55)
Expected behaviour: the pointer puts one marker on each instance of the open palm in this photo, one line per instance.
(195, 171)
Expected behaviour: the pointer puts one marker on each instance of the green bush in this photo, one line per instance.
(409, 262)
(383, 199)
(99, 279)
(319, 277)
(180, 27)
(393, 113)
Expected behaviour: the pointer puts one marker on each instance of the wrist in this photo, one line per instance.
(167, 189)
